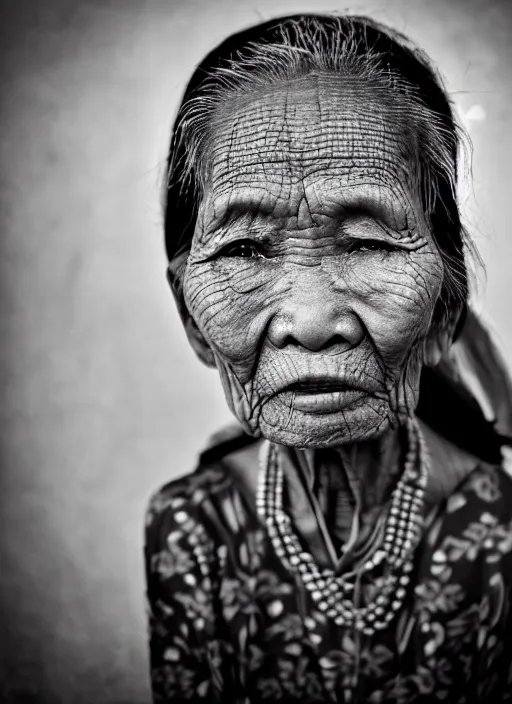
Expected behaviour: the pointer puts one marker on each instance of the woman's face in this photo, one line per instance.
(312, 275)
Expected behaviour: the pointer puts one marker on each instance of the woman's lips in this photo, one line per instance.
(321, 396)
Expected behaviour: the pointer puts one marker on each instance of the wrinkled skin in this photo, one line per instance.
(312, 260)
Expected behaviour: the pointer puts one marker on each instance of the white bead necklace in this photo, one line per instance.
(333, 594)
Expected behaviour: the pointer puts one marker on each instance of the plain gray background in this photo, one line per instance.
(102, 401)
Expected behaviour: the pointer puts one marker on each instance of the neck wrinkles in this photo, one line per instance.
(348, 485)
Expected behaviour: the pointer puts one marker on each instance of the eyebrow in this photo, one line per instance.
(233, 207)
(368, 200)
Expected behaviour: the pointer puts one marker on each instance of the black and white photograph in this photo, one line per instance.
(256, 352)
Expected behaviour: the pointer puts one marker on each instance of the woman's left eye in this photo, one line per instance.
(367, 245)
(242, 248)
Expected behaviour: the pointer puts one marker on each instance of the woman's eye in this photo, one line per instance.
(242, 248)
(371, 246)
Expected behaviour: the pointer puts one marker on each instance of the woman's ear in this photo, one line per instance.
(441, 336)
(175, 273)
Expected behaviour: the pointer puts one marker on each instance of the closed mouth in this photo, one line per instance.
(322, 395)
(320, 386)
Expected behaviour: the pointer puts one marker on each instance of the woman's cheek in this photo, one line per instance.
(228, 301)
(395, 298)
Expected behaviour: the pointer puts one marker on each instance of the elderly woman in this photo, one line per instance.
(351, 541)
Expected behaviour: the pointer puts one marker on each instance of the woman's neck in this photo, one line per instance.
(353, 478)
(372, 467)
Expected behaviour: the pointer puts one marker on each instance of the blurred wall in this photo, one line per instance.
(102, 401)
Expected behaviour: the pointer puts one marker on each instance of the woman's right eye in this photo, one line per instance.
(241, 248)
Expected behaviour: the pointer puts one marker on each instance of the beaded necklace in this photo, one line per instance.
(390, 563)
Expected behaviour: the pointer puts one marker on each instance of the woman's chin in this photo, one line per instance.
(365, 419)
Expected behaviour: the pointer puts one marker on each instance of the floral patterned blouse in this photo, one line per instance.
(229, 623)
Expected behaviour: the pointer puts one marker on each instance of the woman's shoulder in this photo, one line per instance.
(490, 486)
(475, 519)
(210, 478)
(453, 469)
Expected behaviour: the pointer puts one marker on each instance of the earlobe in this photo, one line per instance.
(198, 343)
(434, 351)
(440, 339)
(175, 272)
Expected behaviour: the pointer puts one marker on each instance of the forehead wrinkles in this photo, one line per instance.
(317, 126)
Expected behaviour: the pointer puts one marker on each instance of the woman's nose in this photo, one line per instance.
(315, 326)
